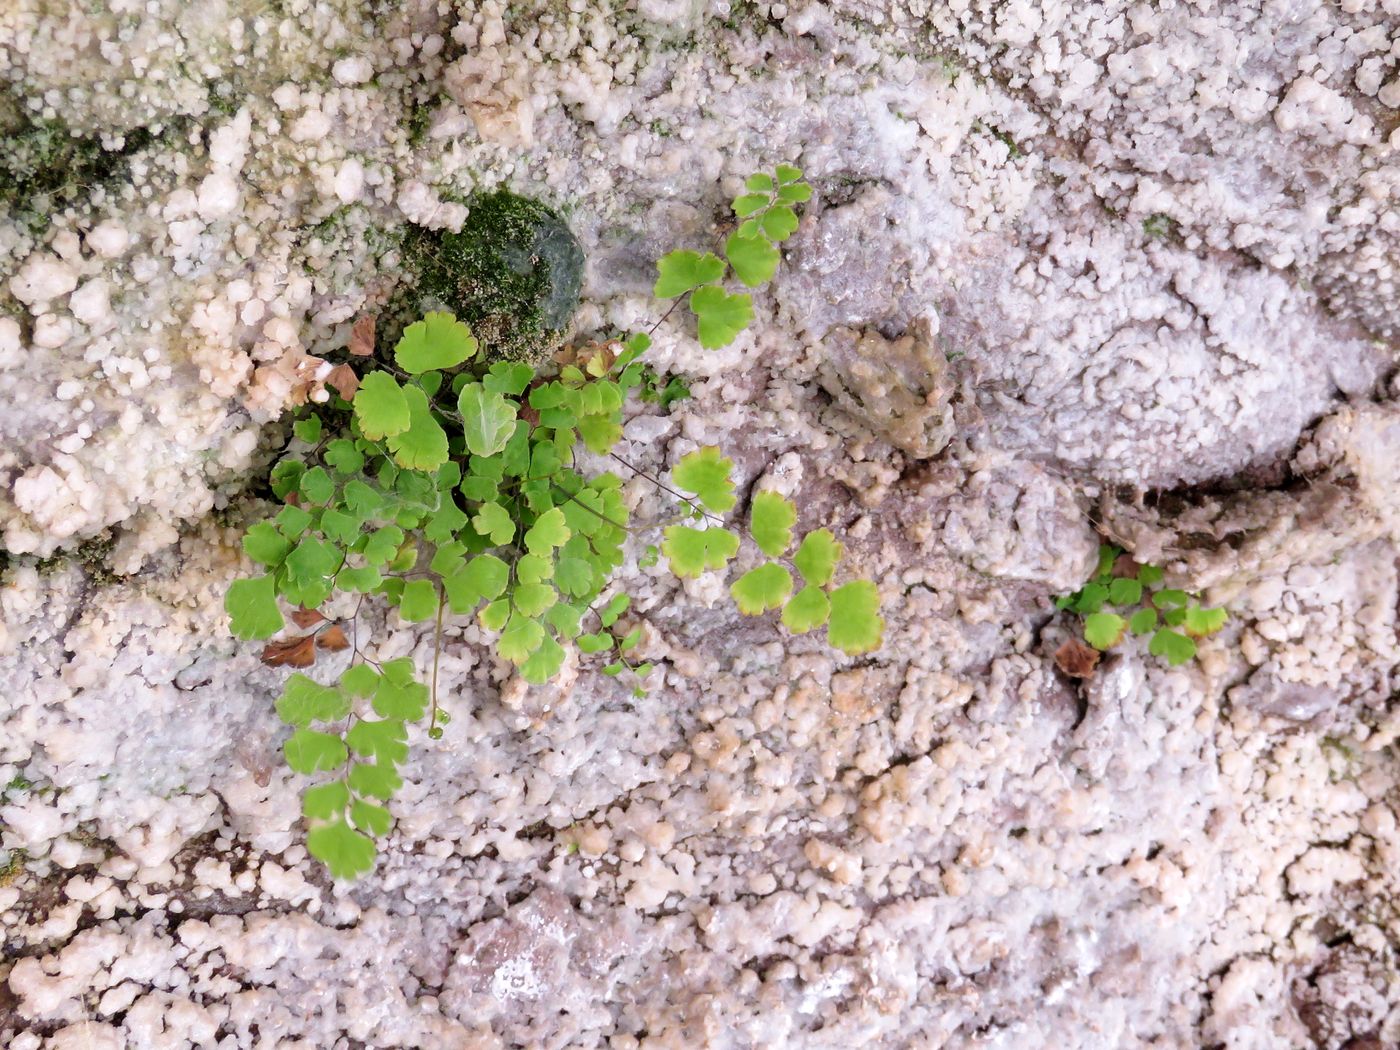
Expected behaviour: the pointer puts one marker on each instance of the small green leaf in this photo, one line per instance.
(761, 589)
(795, 193)
(817, 557)
(370, 817)
(359, 680)
(706, 473)
(754, 260)
(532, 568)
(1124, 591)
(691, 551)
(748, 203)
(1176, 648)
(508, 377)
(383, 544)
(1091, 598)
(720, 316)
(317, 486)
(771, 518)
(494, 615)
(1201, 622)
(325, 801)
(419, 601)
(1143, 621)
(312, 559)
(340, 527)
(423, 445)
(548, 531)
(1103, 630)
(285, 476)
(361, 499)
(403, 700)
(380, 406)
(252, 608)
(265, 545)
(488, 419)
(437, 341)
(521, 637)
(779, 223)
(308, 430)
(617, 605)
(680, 271)
(311, 751)
(787, 173)
(856, 625)
(544, 662)
(363, 579)
(534, 598)
(595, 643)
(1170, 598)
(575, 576)
(485, 577)
(599, 432)
(346, 853)
(304, 701)
(382, 739)
(494, 521)
(1148, 575)
(377, 780)
(344, 457)
(759, 183)
(292, 522)
(565, 619)
(806, 609)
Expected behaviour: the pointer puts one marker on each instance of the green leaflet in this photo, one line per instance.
(381, 408)
(437, 341)
(680, 271)
(761, 589)
(856, 625)
(720, 315)
(754, 259)
(1103, 630)
(310, 750)
(691, 552)
(808, 608)
(770, 521)
(252, 608)
(817, 557)
(706, 473)
(346, 853)
(488, 419)
(423, 444)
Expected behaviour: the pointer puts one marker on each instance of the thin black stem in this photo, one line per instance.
(662, 319)
(437, 653)
(667, 488)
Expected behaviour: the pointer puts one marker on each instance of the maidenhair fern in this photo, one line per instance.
(1124, 597)
(446, 485)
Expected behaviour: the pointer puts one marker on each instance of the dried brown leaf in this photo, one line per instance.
(345, 381)
(333, 638)
(295, 652)
(362, 337)
(1076, 659)
(304, 617)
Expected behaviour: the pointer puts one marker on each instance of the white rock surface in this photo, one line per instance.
(1159, 242)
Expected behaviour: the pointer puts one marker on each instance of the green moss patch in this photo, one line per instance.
(513, 273)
